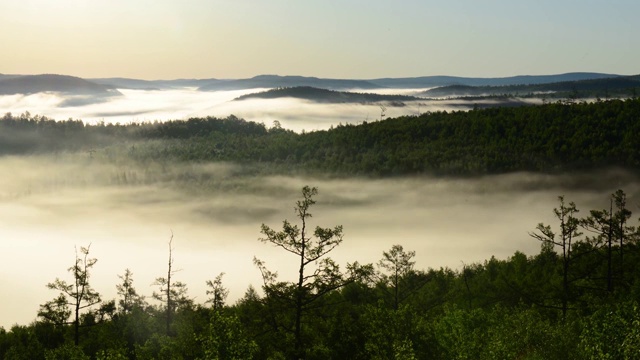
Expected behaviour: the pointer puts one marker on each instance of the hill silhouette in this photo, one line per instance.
(68, 85)
(620, 86)
(276, 81)
(328, 96)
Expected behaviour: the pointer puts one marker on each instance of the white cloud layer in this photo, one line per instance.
(163, 105)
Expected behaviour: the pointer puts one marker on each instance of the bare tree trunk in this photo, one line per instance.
(299, 293)
(168, 290)
(565, 281)
(609, 250)
(76, 325)
(395, 292)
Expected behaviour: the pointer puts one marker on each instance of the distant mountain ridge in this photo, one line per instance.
(437, 81)
(276, 81)
(136, 84)
(70, 85)
(29, 84)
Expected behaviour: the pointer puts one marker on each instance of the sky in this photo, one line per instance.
(168, 39)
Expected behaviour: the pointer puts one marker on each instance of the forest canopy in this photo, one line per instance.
(546, 138)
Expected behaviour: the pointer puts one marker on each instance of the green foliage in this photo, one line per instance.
(547, 138)
(225, 339)
(501, 333)
(612, 332)
(462, 334)
(66, 352)
(158, 346)
(395, 334)
(523, 333)
(112, 354)
(22, 343)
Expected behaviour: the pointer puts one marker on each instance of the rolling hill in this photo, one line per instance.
(68, 85)
(437, 81)
(620, 86)
(328, 96)
(276, 81)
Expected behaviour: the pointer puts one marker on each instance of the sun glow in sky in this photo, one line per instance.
(167, 39)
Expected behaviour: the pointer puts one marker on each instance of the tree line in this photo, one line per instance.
(547, 138)
(605, 88)
(575, 299)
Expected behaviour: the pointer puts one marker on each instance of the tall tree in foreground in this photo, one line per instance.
(600, 222)
(564, 240)
(610, 226)
(129, 297)
(224, 337)
(172, 293)
(398, 264)
(623, 232)
(217, 292)
(78, 295)
(310, 248)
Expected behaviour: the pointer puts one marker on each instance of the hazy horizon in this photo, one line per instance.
(334, 39)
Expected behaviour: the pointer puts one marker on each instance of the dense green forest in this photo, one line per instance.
(547, 138)
(575, 299)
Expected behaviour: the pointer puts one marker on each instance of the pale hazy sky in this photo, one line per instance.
(168, 39)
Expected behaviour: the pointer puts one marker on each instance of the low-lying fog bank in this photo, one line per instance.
(127, 213)
(181, 104)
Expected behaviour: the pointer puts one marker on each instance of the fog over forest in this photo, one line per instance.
(184, 103)
(49, 204)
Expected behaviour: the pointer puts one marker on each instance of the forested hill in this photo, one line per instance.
(547, 138)
(621, 86)
(327, 96)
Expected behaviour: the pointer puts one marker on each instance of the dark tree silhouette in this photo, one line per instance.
(565, 239)
(310, 248)
(172, 294)
(74, 297)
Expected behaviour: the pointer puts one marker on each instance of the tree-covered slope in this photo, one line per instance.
(327, 96)
(539, 138)
(622, 86)
(551, 137)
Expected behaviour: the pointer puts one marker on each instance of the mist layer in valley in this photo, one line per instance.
(51, 204)
(136, 105)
